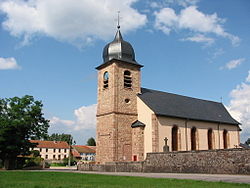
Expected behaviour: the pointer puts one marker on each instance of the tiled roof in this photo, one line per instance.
(75, 153)
(172, 105)
(84, 149)
(51, 144)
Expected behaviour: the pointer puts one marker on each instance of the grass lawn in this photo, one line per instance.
(28, 179)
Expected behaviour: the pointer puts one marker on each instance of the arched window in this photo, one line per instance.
(225, 135)
(193, 138)
(210, 139)
(175, 138)
(106, 80)
(127, 79)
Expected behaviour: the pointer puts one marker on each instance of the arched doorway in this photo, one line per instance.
(225, 135)
(210, 139)
(175, 138)
(193, 138)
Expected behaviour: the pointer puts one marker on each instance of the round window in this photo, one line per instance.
(127, 101)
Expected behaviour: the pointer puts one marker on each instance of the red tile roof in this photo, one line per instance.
(51, 144)
(84, 149)
(75, 153)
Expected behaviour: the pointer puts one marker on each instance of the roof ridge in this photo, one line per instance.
(183, 96)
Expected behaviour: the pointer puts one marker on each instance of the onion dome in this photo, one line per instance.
(119, 49)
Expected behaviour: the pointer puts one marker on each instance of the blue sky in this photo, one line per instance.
(50, 48)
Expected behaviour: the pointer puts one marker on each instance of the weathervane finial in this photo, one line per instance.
(118, 20)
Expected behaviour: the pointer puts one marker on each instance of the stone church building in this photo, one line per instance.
(133, 121)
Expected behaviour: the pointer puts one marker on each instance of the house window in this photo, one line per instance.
(175, 138)
(210, 139)
(47, 149)
(225, 136)
(65, 156)
(40, 149)
(59, 157)
(65, 150)
(193, 138)
(127, 79)
(54, 156)
(54, 150)
(59, 150)
(105, 80)
(46, 156)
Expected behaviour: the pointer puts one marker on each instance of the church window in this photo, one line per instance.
(225, 136)
(127, 79)
(175, 138)
(105, 80)
(209, 139)
(193, 138)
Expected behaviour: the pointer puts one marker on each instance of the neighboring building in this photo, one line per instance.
(85, 153)
(132, 121)
(52, 150)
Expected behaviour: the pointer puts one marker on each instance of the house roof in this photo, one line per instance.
(172, 105)
(51, 144)
(84, 149)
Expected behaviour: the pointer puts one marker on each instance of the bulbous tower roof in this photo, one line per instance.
(119, 49)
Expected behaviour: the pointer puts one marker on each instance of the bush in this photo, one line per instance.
(72, 161)
(57, 164)
(34, 161)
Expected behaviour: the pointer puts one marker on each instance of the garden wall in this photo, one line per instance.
(228, 161)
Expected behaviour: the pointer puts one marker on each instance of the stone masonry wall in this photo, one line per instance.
(228, 161)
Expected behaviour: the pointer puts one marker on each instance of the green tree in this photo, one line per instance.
(21, 119)
(91, 142)
(61, 137)
(248, 142)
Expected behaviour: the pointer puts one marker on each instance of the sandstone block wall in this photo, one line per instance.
(228, 161)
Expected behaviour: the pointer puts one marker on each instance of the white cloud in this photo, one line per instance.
(56, 120)
(199, 38)
(192, 19)
(86, 117)
(82, 128)
(77, 22)
(239, 107)
(186, 3)
(233, 64)
(8, 63)
(248, 77)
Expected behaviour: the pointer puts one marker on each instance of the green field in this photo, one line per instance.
(28, 179)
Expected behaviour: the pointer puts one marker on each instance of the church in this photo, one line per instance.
(133, 121)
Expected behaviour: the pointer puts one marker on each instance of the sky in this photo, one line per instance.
(49, 49)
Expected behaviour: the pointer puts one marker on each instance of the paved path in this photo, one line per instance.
(203, 177)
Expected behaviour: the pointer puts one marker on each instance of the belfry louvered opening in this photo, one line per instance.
(105, 80)
(127, 79)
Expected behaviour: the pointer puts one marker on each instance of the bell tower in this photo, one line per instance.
(118, 85)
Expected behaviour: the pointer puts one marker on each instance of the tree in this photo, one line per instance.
(61, 137)
(248, 142)
(21, 119)
(91, 142)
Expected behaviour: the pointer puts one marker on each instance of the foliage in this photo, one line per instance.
(35, 153)
(61, 137)
(57, 164)
(72, 161)
(91, 142)
(21, 119)
(27, 179)
(248, 141)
